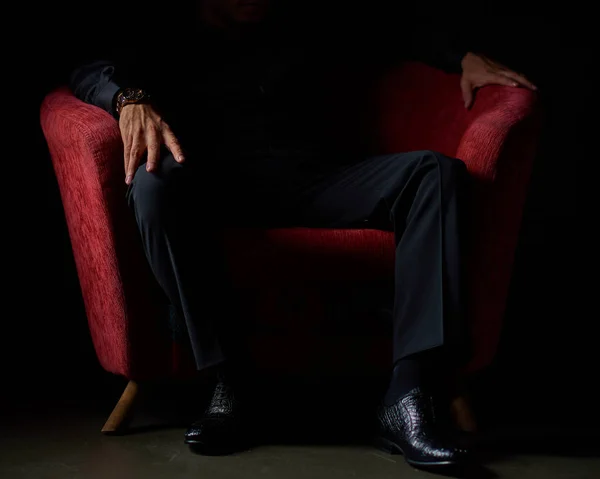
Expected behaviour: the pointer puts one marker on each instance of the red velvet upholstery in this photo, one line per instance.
(292, 278)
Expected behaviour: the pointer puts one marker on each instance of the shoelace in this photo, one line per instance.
(223, 398)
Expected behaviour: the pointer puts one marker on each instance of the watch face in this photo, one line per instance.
(131, 94)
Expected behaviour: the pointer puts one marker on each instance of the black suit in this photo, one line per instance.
(249, 113)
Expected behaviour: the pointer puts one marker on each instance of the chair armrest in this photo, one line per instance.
(499, 112)
(76, 126)
(86, 150)
(498, 146)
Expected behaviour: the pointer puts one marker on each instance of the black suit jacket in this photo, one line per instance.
(261, 90)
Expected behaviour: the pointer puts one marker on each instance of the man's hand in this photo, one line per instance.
(142, 129)
(479, 71)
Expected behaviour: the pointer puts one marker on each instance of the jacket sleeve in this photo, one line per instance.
(104, 71)
(96, 83)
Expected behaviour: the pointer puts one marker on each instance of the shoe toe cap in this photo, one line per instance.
(215, 431)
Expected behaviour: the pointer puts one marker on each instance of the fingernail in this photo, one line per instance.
(147, 167)
(128, 179)
(180, 158)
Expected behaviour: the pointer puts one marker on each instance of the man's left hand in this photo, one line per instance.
(479, 71)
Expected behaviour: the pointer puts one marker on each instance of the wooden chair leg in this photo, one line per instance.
(121, 414)
(463, 414)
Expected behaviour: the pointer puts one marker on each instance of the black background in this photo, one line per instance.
(547, 357)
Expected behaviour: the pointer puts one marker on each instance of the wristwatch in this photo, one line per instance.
(128, 96)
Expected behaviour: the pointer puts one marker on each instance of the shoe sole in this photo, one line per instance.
(392, 448)
(201, 448)
(204, 449)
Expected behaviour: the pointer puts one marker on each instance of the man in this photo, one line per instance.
(232, 133)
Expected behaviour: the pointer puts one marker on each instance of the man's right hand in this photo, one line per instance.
(143, 129)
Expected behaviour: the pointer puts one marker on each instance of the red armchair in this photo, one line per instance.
(290, 278)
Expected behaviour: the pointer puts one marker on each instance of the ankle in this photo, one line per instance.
(426, 370)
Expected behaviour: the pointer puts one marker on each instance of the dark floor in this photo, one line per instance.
(61, 439)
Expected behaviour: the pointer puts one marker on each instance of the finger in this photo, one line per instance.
(467, 93)
(134, 160)
(522, 80)
(126, 138)
(153, 152)
(173, 145)
(126, 155)
(499, 79)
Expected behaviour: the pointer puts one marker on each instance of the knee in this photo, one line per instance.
(446, 168)
(152, 194)
(445, 163)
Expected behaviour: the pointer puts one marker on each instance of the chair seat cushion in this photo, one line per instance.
(301, 254)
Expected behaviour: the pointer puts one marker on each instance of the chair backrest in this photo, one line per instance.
(411, 107)
(417, 107)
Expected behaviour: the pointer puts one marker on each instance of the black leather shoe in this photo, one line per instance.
(222, 429)
(410, 427)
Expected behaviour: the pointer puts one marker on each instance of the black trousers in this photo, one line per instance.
(417, 195)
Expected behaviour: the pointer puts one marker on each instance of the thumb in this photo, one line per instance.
(467, 92)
